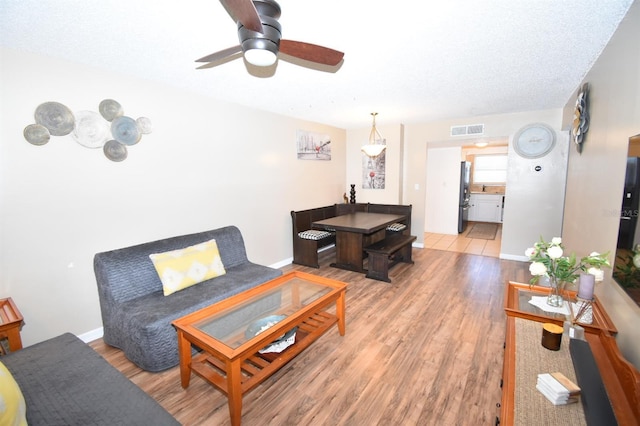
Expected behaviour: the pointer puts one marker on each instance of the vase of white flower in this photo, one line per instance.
(555, 293)
(547, 259)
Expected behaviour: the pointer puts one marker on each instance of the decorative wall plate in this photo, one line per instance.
(125, 130)
(36, 134)
(91, 130)
(144, 125)
(55, 117)
(110, 109)
(534, 140)
(115, 151)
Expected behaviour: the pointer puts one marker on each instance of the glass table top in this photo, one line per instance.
(524, 296)
(239, 323)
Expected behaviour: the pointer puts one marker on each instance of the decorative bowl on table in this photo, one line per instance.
(278, 345)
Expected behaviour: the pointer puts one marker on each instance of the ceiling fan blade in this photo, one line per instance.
(221, 54)
(245, 12)
(216, 63)
(311, 52)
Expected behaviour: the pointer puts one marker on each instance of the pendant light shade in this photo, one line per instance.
(376, 143)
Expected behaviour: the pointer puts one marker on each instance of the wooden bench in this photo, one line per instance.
(305, 251)
(386, 253)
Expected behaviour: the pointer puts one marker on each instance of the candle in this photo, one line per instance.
(585, 288)
(551, 336)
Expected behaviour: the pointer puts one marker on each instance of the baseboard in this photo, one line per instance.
(92, 335)
(506, 256)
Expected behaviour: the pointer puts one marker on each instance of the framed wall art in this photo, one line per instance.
(313, 146)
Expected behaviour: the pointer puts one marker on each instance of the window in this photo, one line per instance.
(490, 169)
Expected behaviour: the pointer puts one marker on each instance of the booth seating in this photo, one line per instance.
(351, 208)
(307, 241)
(402, 227)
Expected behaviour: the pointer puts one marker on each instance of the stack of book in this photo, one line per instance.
(557, 388)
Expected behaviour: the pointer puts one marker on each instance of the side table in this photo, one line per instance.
(516, 303)
(10, 323)
(620, 378)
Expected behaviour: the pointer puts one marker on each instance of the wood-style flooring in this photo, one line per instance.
(426, 349)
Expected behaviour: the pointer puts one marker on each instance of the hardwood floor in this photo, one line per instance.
(426, 349)
(461, 243)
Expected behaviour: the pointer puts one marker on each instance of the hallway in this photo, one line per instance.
(462, 244)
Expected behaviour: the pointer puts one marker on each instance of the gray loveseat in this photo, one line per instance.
(137, 317)
(65, 382)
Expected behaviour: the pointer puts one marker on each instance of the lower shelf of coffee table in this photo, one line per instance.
(258, 367)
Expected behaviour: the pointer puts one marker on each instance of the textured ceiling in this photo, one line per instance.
(411, 61)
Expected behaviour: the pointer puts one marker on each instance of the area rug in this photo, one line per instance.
(483, 231)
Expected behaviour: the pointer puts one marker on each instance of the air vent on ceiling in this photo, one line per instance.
(470, 129)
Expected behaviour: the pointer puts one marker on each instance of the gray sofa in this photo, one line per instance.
(137, 317)
(65, 382)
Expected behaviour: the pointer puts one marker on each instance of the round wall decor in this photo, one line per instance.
(534, 140)
(55, 117)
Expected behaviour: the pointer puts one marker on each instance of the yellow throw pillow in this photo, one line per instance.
(179, 269)
(12, 407)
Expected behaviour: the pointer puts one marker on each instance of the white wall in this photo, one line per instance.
(206, 164)
(502, 126)
(443, 190)
(392, 193)
(596, 177)
(534, 200)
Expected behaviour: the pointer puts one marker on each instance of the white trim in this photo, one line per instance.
(282, 263)
(513, 257)
(92, 335)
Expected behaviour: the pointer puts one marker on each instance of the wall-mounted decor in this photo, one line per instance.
(313, 146)
(108, 128)
(581, 117)
(534, 140)
(373, 171)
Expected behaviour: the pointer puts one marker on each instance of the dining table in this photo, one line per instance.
(354, 232)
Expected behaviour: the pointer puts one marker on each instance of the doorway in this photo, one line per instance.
(442, 200)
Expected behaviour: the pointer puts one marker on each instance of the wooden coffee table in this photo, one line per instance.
(230, 359)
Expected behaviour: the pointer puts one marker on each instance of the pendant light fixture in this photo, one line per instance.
(376, 143)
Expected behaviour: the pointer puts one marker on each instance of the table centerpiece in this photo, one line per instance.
(548, 260)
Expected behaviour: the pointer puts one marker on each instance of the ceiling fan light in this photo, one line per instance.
(260, 57)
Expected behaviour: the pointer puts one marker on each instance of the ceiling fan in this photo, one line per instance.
(259, 33)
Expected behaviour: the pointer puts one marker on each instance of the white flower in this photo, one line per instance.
(596, 272)
(537, 268)
(556, 241)
(530, 252)
(555, 252)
